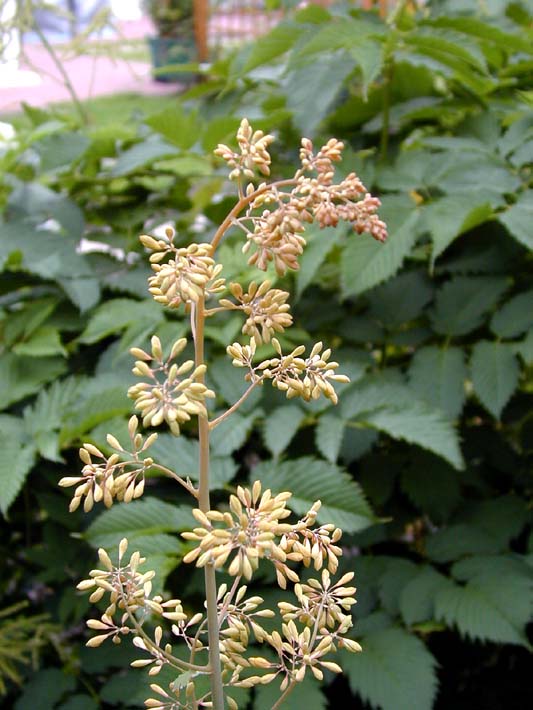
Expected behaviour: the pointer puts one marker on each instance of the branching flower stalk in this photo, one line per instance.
(224, 641)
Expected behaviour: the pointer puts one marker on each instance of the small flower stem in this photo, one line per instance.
(217, 692)
(176, 662)
(228, 601)
(288, 690)
(167, 471)
(215, 422)
(65, 77)
(241, 204)
(219, 309)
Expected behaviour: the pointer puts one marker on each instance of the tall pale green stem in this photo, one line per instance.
(217, 691)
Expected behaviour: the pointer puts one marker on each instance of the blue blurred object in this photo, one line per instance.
(70, 18)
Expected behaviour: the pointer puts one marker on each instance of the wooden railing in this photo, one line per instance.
(223, 23)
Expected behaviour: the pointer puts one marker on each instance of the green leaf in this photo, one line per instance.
(329, 434)
(280, 426)
(324, 78)
(42, 342)
(495, 373)
(79, 702)
(46, 254)
(231, 434)
(24, 322)
(44, 689)
(438, 376)
(449, 58)
(374, 392)
(482, 30)
(519, 218)
(514, 317)
(417, 596)
(44, 417)
(61, 149)
(319, 243)
(501, 566)
(151, 149)
(87, 412)
(484, 529)
(40, 203)
(366, 262)
(307, 694)
(176, 126)
(356, 443)
(369, 56)
(400, 300)
(117, 314)
(230, 384)
(394, 672)
(488, 608)
(84, 291)
(140, 518)
(16, 462)
(21, 376)
(462, 303)
(442, 42)
(525, 348)
(451, 216)
(396, 575)
(483, 177)
(432, 485)
(421, 425)
(278, 41)
(309, 479)
(181, 455)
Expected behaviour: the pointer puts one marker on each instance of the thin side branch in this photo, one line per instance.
(185, 483)
(288, 690)
(215, 422)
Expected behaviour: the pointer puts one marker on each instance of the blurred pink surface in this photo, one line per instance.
(90, 76)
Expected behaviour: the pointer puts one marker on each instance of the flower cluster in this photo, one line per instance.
(189, 273)
(266, 308)
(254, 526)
(253, 152)
(249, 528)
(128, 590)
(307, 378)
(313, 626)
(169, 396)
(119, 476)
(276, 233)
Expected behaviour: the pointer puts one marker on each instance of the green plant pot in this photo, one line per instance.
(169, 52)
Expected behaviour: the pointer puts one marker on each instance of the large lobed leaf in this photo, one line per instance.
(309, 480)
(394, 672)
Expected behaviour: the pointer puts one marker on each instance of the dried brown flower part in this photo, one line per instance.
(249, 529)
(266, 308)
(107, 478)
(253, 152)
(187, 275)
(168, 396)
(276, 233)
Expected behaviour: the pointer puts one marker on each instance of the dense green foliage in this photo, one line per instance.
(426, 462)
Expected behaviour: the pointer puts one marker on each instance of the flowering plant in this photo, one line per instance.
(255, 525)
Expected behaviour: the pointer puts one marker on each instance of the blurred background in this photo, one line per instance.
(109, 113)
